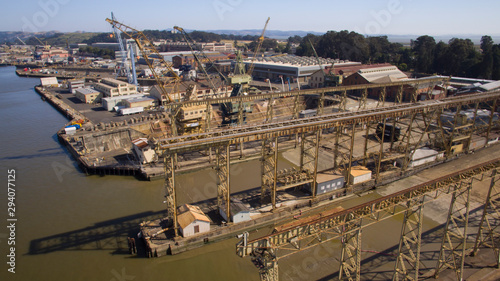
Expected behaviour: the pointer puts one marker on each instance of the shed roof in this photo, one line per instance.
(359, 171)
(383, 74)
(326, 177)
(87, 91)
(189, 213)
(140, 142)
(490, 86)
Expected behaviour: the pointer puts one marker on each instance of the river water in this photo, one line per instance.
(71, 226)
(74, 227)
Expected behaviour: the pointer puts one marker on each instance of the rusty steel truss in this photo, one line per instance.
(419, 122)
(347, 226)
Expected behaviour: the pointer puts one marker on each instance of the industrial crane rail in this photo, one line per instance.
(304, 125)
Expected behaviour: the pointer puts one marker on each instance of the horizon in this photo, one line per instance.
(375, 18)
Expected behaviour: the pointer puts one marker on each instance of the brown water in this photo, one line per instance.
(74, 227)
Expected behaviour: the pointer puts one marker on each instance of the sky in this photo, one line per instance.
(397, 17)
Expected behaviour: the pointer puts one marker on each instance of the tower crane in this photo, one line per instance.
(168, 81)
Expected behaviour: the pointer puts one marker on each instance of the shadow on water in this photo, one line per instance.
(108, 235)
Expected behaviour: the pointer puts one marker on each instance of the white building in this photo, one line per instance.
(110, 103)
(49, 82)
(422, 156)
(239, 211)
(144, 152)
(192, 220)
(114, 88)
(360, 174)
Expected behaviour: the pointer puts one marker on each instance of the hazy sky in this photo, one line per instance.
(418, 17)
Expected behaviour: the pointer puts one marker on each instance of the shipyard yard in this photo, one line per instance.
(250, 157)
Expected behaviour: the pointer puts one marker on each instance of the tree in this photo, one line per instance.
(486, 65)
(424, 48)
(440, 57)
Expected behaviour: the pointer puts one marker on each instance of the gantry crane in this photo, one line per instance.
(169, 82)
(240, 81)
(124, 67)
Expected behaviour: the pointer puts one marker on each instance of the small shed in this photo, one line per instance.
(327, 183)
(143, 150)
(360, 174)
(192, 220)
(239, 211)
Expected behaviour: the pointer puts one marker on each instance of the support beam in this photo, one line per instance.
(170, 197)
(269, 170)
(222, 167)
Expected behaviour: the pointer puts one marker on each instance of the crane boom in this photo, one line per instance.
(317, 58)
(257, 49)
(201, 58)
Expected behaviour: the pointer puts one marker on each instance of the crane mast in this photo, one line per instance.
(124, 68)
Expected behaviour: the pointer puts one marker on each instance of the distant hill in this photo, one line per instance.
(275, 34)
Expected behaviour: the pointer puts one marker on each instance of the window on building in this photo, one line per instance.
(196, 228)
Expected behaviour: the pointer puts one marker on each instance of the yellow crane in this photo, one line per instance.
(168, 81)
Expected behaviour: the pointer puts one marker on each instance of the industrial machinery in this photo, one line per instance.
(169, 83)
(124, 69)
(234, 113)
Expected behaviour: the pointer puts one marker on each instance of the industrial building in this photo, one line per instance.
(327, 183)
(110, 103)
(291, 66)
(113, 88)
(192, 220)
(49, 82)
(87, 95)
(359, 174)
(189, 59)
(344, 71)
(75, 84)
(422, 156)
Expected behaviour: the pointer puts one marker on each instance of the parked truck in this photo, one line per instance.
(131, 110)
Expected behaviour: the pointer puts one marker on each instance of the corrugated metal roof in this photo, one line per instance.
(490, 86)
(189, 214)
(384, 74)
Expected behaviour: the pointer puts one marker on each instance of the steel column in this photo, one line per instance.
(408, 259)
(489, 228)
(170, 198)
(454, 243)
(222, 168)
(269, 169)
(350, 260)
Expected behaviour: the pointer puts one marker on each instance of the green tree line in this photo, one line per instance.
(458, 57)
(97, 52)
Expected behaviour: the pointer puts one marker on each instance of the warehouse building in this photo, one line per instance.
(75, 84)
(113, 88)
(144, 152)
(88, 95)
(327, 183)
(291, 66)
(110, 103)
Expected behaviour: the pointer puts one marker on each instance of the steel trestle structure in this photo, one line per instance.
(347, 226)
